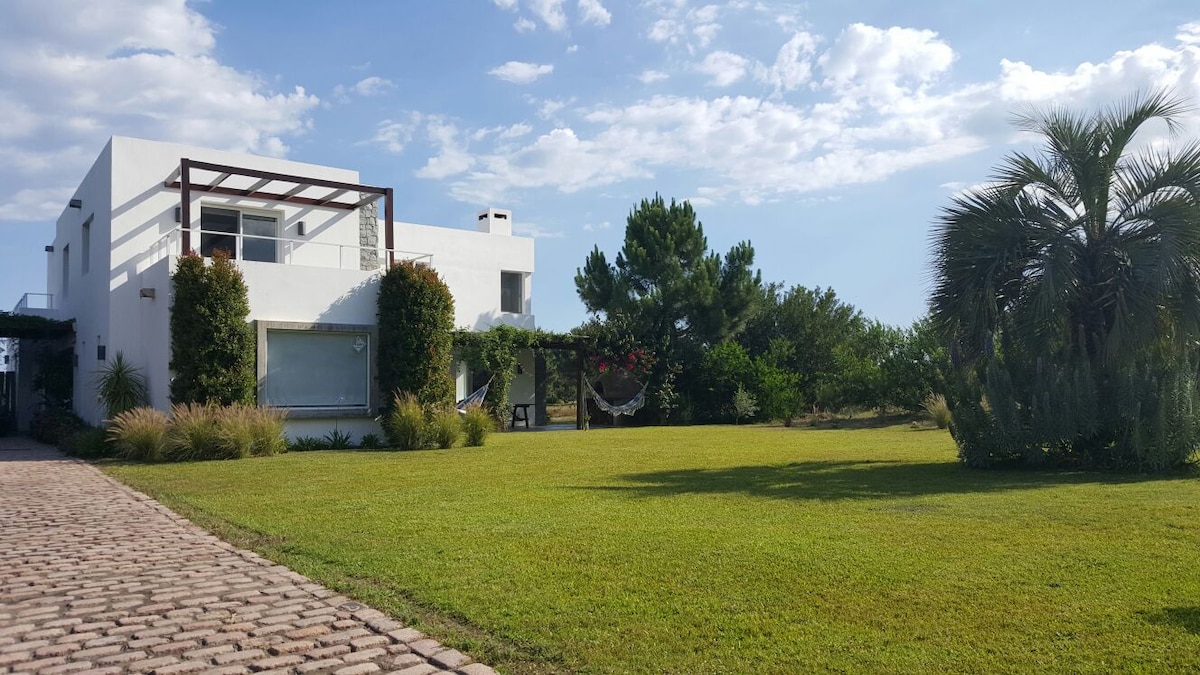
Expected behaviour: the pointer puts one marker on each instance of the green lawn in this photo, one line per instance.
(730, 549)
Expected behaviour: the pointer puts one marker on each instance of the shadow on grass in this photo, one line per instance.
(833, 480)
(1187, 618)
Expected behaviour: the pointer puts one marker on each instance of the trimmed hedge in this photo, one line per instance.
(212, 344)
(416, 317)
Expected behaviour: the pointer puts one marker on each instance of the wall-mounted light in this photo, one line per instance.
(179, 214)
(75, 203)
(49, 249)
(300, 229)
(146, 293)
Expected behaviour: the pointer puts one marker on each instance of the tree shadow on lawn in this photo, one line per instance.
(870, 479)
(1187, 618)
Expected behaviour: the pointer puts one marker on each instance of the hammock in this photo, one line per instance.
(627, 408)
(475, 398)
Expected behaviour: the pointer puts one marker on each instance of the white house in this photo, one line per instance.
(311, 242)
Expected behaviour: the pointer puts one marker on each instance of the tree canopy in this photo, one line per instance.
(672, 293)
(1070, 289)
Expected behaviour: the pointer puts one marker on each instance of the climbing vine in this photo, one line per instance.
(496, 350)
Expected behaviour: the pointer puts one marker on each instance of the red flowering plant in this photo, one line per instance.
(636, 362)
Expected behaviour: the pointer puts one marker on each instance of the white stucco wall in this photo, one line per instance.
(471, 262)
(134, 244)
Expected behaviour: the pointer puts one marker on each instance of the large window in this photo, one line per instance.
(317, 369)
(221, 227)
(512, 292)
(66, 271)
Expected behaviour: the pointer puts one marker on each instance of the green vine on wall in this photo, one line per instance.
(496, 351)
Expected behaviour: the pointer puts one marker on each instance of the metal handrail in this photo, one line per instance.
(164, 243)
(24, 302)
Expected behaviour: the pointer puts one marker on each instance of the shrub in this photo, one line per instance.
(194, 435)
(121, 386)
(370, 442)
(53, 425)
(416, 317)
(936, 407)
(212, 345)
(338, 440)
(140, 434)
(405, 425)
(477, 424)
(445, 427)
(744, 404)
(90, 443)
(307, 444)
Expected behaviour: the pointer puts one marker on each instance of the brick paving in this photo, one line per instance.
(98, 578)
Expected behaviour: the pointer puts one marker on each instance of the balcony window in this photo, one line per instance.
(512, 292)
(243, 235)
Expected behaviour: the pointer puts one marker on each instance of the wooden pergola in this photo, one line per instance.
(196, 176)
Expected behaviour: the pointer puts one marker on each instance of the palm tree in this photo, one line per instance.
(1085, 256)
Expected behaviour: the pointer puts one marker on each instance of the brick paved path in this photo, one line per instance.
(98, 578)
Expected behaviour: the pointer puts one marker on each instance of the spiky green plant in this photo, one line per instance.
(477, 424)
(405, 424)
(121, 386)
(193, 434)
(938, 410)
(445, 427)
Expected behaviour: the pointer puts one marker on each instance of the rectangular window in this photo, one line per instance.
(66, 270)
(220, 229)
(86, 249)
(317, 369)
(512, 292)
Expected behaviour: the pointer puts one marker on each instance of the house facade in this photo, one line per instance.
(311, 242)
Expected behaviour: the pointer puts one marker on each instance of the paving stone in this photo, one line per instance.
(449, 659)
(99, 579)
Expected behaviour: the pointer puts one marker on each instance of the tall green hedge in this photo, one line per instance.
(416, 317)
(212, 344)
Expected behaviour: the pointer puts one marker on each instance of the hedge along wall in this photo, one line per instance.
(212, 344)
(416, 317)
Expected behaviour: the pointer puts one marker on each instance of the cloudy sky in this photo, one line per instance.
(828, 134)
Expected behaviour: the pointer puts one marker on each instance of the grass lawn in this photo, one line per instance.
(729, 549)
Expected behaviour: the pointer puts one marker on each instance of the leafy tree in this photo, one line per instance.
(1071, 290)
(212, 344)
(677, 297)
(416, 320)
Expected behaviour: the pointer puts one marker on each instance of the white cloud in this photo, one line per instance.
(652, 76)
(550, 12)
(884, 63)
(572, 49)
(524, 25)
(452, 158)
(724, 68)
(34, 204)
(142, 68)
(515, 131)
(535, 231)
(603, 225)
(506, 4)
(793, 64)
(593, 12)
(677, 24)
(881, 102)
(519, 72)
(368, 86)
(394, 136)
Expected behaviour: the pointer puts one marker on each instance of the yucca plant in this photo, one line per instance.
(477, 424)
(445, 427)
(938, 410)
(338, 440)
(193, 434)
(140, 434)
(121, 386)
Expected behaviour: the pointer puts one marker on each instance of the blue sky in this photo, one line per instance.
(828, 134)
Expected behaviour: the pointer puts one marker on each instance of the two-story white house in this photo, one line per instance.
(311, 242)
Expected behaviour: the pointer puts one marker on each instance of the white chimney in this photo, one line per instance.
(495, 221)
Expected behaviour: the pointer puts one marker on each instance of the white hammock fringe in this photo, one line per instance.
(628, 408)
